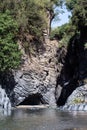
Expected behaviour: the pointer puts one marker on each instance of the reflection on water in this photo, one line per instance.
(77, 129)
(42, 119)
(5, 112)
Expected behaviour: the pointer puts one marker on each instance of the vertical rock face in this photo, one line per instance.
(35, 83)
(4, 100)
(52, 68)
(74, 72)
(48, 77)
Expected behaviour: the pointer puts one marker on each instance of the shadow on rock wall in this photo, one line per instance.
(8, 83)
(74, 70)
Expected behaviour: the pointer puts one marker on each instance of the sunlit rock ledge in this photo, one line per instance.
(32, 106)
(77, 101)
(75, 107)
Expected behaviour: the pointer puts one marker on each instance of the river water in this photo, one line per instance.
(42, 119)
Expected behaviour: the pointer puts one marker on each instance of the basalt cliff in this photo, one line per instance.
(49, 76)
(35, 82)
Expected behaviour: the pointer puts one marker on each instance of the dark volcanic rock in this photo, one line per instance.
(77, 101)
(48, 77)
(74, 70)
(36, 81)
(31, 83)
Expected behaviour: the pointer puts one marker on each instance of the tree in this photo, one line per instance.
(49, 7)
(27, 12)
(32, 17)
(79, 15)
(9, 52)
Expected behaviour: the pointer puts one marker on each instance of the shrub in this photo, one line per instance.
(9, 52)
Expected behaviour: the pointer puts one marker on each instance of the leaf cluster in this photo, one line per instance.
(79, 12)
(9, 53)
(63, 33)
(25, 19)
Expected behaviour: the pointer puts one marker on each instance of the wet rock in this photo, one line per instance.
(75, 107)
(4, 100)
(77, 101)
(78, 96)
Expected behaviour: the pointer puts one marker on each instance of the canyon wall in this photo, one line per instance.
(35, 82)
(49, 76)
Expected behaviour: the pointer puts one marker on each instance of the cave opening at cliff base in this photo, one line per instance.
(35, 99)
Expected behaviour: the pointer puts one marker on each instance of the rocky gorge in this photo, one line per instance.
(50, 77)
(34, 83)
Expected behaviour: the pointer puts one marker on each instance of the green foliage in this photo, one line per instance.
(9, 53)
(70, 4)
(79, 12)
(27, 14)
(55, 34)
(36, 21)
(25, 19)
(78, 100)
(31, 14)
(77, 25)
(63, 33)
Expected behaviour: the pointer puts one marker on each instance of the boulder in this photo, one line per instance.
(78, 96)
(77, 101)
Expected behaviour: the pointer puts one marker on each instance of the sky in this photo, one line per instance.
(63, 18)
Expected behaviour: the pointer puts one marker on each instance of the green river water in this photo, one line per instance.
(42, 119)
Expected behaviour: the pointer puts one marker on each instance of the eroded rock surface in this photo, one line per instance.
(37, 78)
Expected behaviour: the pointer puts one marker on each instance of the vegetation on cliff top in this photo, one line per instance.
(77, 24)
(26, 19)
(22, 20)
(9, 53)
